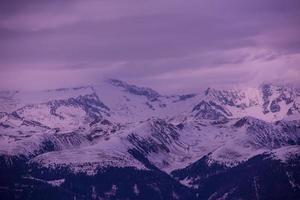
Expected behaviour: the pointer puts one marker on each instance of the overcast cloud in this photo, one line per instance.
(170, 45)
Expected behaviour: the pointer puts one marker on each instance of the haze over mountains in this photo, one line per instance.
(115, 140)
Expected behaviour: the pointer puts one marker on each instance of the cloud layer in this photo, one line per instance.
(182, 45)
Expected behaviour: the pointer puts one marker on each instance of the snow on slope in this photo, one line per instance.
(103, 122)
(12, 100)
(129, 103)
(267, 102)
(171, 147)
(87, 159)
(286, 153)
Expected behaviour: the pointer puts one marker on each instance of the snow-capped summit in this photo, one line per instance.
(115, 125)
(133, 89)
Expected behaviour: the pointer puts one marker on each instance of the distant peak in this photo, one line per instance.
(207, 91)
(69, 89)
(276, 85)
(136, 90)
(116, 82)
(249, 120)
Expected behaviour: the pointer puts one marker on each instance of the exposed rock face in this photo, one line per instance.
(274, 107)
(143, 91)
(266, 93)
(210, 110)
(121, 141)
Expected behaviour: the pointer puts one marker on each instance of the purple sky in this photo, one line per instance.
(170, 45)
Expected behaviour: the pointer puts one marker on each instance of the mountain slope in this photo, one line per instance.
(114, 128)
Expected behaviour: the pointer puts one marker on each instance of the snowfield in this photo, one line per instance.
(87, 128)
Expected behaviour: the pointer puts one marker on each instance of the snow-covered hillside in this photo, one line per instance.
(116, 124)
(115, 110)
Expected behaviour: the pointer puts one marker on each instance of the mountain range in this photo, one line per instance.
(116, 140)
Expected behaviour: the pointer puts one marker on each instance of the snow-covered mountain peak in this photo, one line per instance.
(123, 127)
(133, 89)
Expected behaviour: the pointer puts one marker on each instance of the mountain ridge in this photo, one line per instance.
(88, 130)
